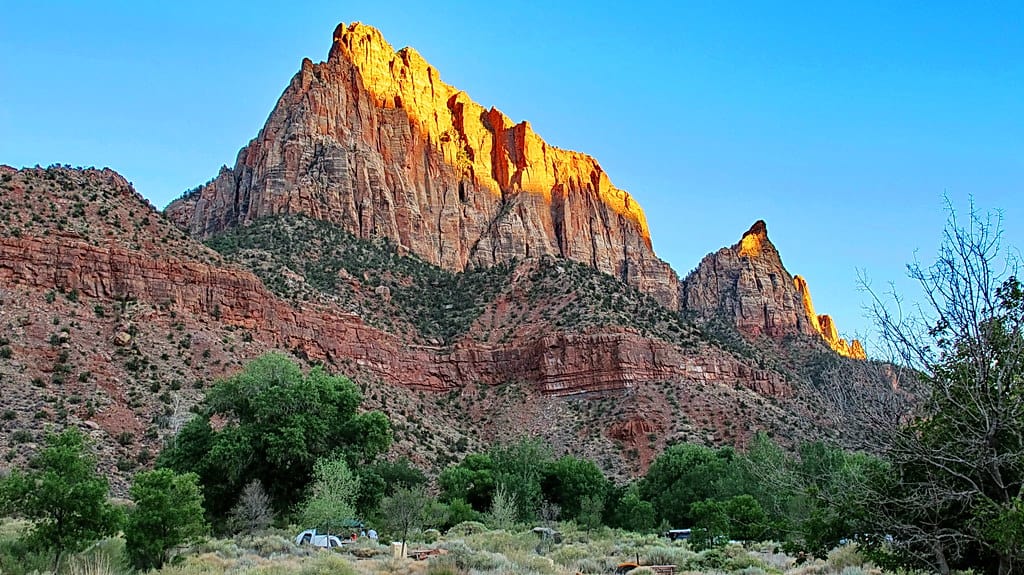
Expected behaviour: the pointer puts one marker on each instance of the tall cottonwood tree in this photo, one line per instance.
(958, 502)
(275, 423)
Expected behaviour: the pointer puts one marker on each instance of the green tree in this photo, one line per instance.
(472, 481)
(960, 461)
(382, 478)
(628, 511)
(278, 424)
(168, 512)
(520, 467)
(332, 496)
(739, 517)
(685, 474)
(459, 511)
(504, 512)
(63, 496)
(405, 510)
(813, 499)
(570, 482)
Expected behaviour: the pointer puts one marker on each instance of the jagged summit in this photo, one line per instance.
(748, 285)
(825, 326)
(752, 241)
(373, 140)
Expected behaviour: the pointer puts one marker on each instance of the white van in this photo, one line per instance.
(311, 537)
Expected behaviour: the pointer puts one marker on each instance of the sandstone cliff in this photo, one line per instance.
(373, 140)
(747, 286)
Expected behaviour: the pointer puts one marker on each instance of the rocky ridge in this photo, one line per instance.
(116, 321)
(477, 282)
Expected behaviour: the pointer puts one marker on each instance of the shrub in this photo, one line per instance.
(845, 556)
(467, 528)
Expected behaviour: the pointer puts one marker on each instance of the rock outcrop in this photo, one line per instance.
(747, 286)
(824, 325)
(373, 140)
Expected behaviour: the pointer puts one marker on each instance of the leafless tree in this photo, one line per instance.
(252, 513)
(549, 512)
(959, 461)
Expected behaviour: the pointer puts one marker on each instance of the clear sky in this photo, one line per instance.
(841, 124)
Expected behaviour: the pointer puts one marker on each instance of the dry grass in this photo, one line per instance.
(473, 553)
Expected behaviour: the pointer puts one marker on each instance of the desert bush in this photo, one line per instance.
(443, 566)
(92, 564)
(467, 558)
(678, 556)
(845, 556)
(17, 558)
(594, 565)
(327, 564)
(467, 528)
(531, 562)
(269, 545)
(567, 555)
(728, 558)
(222, 548)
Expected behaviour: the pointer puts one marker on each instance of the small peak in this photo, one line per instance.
(753, 240)
(758, 229)
(359, 40)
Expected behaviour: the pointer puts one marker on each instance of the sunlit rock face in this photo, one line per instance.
(373, 140)
(824, 325)
(747, 285)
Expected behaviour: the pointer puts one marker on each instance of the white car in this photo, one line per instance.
(311, 537)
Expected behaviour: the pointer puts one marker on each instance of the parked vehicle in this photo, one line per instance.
(548, 533)
(678, 534)
(311, 537)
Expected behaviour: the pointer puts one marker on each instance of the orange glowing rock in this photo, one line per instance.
(825, 327)
(752, 241)
(501, 156)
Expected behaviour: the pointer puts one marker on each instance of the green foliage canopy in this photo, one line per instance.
(277, 424)
(685, 474)
(382, 478)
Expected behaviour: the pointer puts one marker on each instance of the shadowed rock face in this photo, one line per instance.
(747, 285)
(373, 140)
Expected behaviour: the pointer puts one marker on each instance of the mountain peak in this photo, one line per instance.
(753, 240)
(373, 140)
(749, 286)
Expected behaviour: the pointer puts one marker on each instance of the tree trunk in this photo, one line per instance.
(940, 559)
(1005, 564)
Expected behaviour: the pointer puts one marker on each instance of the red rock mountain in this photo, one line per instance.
(747, 286)
(374, 140)
(482, 315)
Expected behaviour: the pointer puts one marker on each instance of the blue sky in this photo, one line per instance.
(840, 124)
